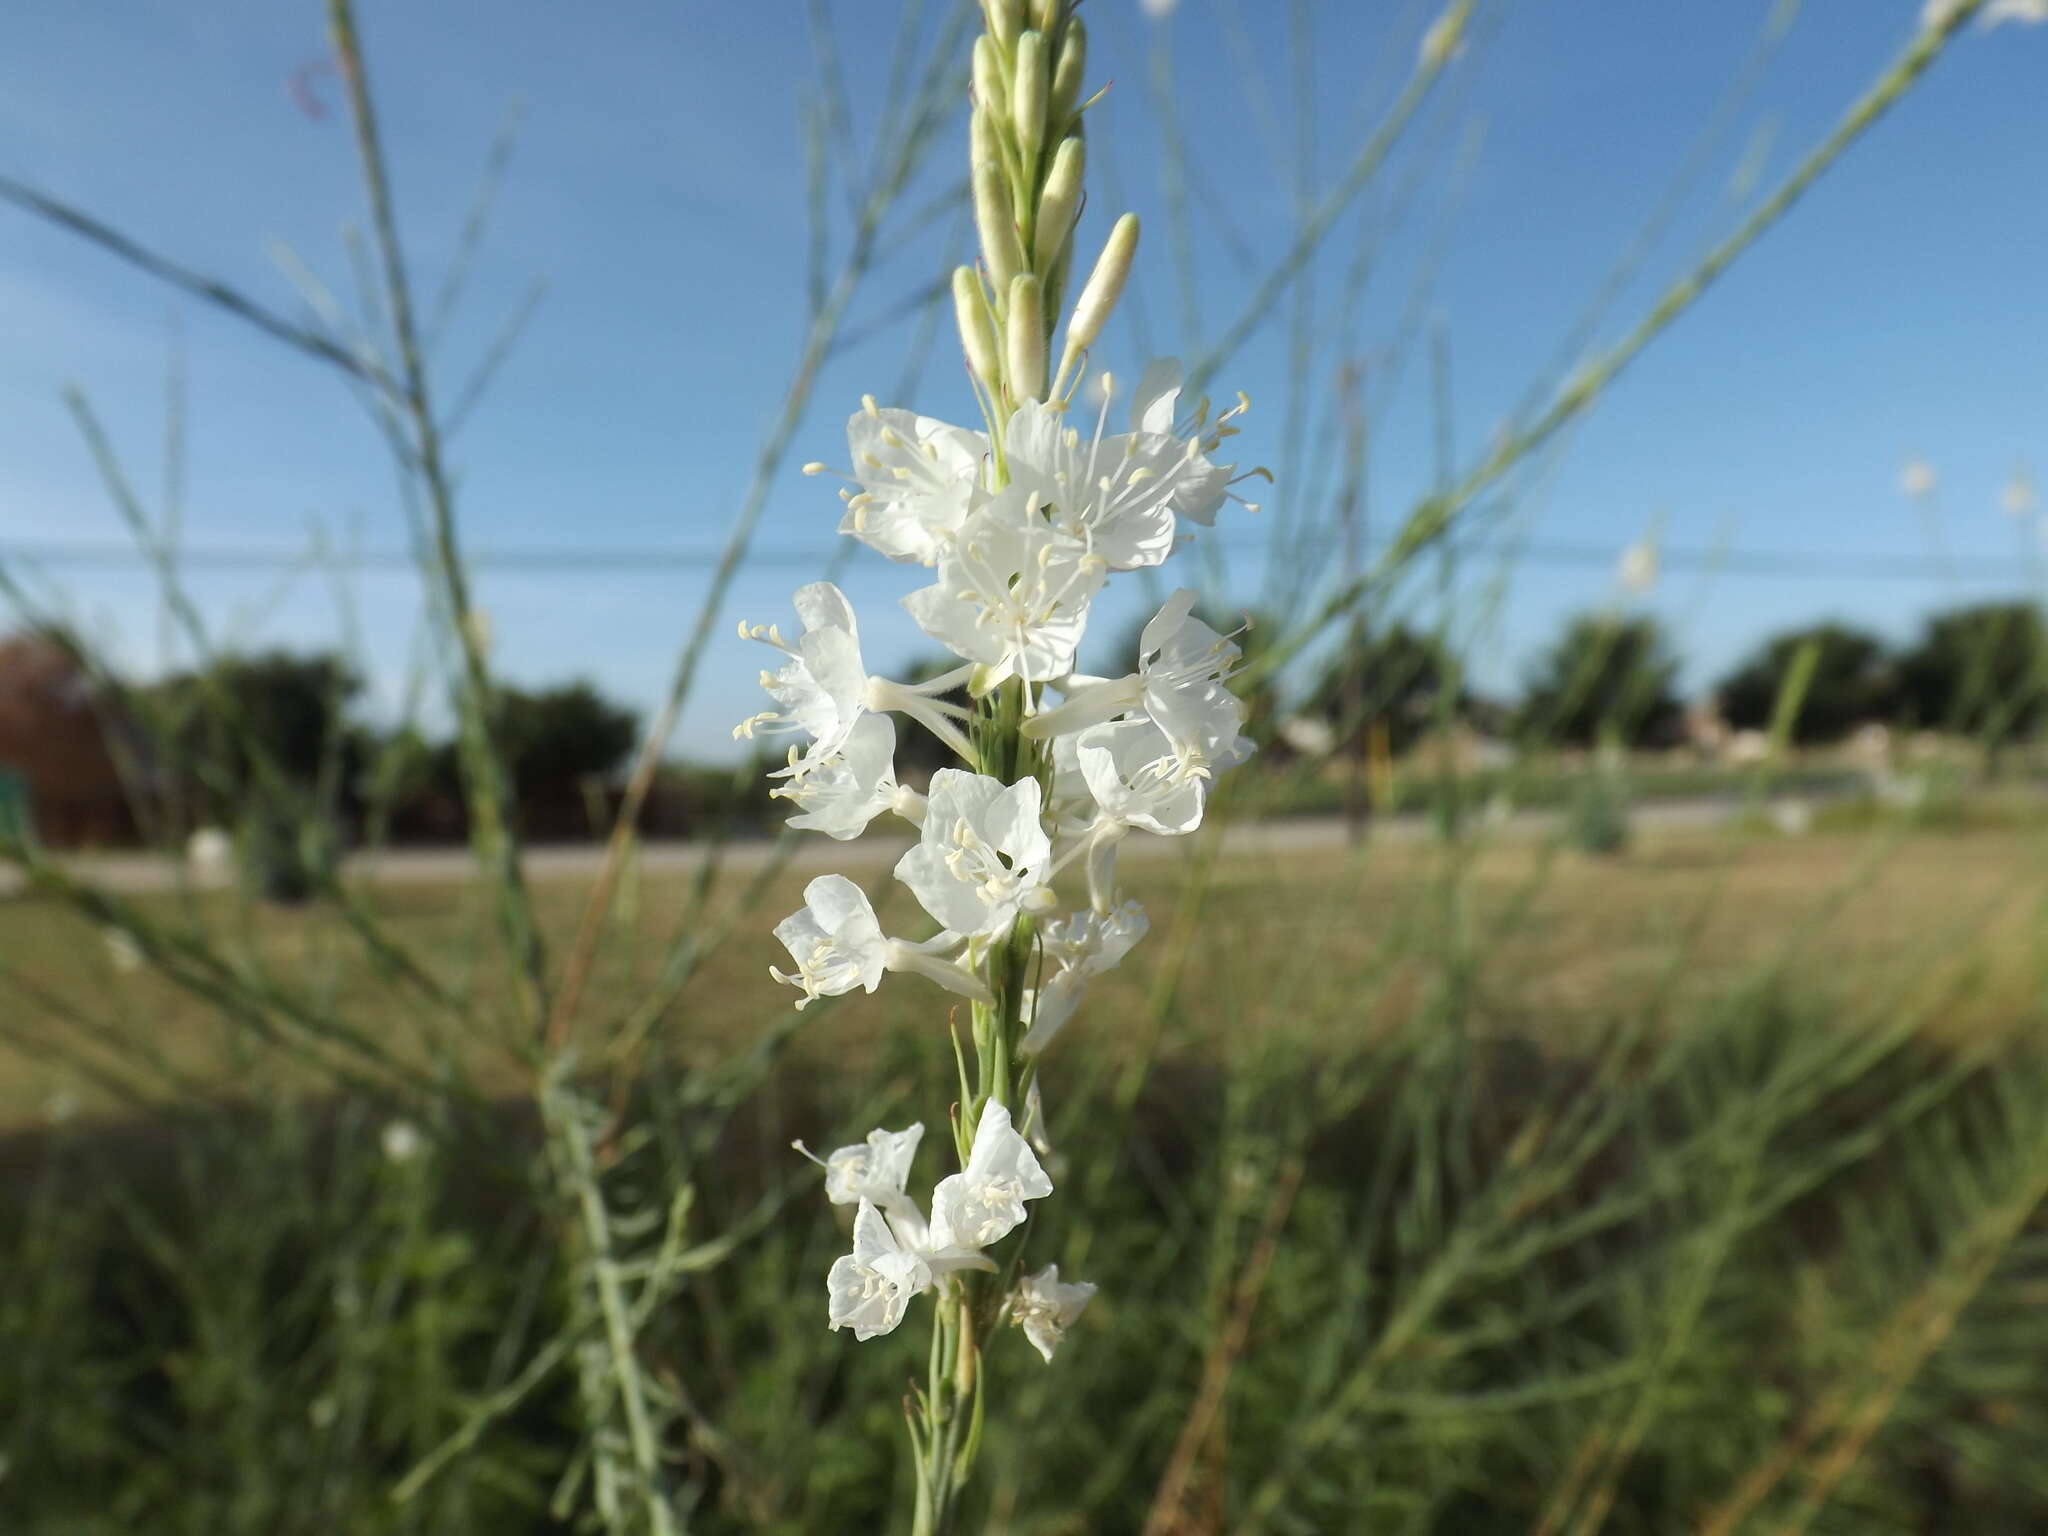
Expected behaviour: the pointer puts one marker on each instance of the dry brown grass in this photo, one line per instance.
(1553, 944)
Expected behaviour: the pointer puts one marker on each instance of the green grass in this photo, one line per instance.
(1587, 1188)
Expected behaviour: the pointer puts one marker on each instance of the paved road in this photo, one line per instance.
(135, 872)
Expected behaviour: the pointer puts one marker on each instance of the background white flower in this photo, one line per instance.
(400, 1140)
(1076, 949)
(1637, 568)
(1045, 1307)
(210, 853)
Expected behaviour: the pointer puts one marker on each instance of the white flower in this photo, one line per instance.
(1114, 495)
(400, 1140)
(1045, 1308)
(1310, 735)
(1201, 488)
(824, 689)
(1077, 948)
(839, 795)
(984, 1203)
(890, 1263)
(210, 853)
(1121, 495)
(918, 481)
(1184, 667)
(983, 857)
(1012, 594)
(1139, 777)
(1792, 817)
(1441, 42)
(1637, 568)
(870, 1287)
(1917, 478)
(2017, 496)
(875, 1170)
(838, 944)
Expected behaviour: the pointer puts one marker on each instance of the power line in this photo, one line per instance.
(1785, 564)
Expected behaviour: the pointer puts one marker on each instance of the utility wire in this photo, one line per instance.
(1794, 564)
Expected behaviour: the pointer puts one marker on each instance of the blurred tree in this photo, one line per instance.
(558, 737)
(1854, 680)
(1608, 676)
(1392, 683)
(562, 743)
(266, 741)
(1981, 669)
(288, 708)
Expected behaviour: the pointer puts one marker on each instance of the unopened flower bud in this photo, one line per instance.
(1026, 338)
(1058, 203)
(1005, 18)
(1067, 72)
(1444, 34)
(991, 94)
(1045, 14)
(1105, 286)
(996, 225)
(977, 333)
(1027, 97)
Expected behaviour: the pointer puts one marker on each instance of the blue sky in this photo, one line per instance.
(657, 187)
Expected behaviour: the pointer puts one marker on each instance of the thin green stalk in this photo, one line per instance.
(1435, 514)
(493, 834)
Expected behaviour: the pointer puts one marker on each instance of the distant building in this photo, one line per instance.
(53, 739)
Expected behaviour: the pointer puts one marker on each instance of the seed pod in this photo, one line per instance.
(1026, 338)
(1067, 71)
(977, 332)
(996, 225)
(1105, 286)
(1028, 87)
(1058, 204)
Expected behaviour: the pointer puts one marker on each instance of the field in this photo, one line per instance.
(1548, 944)
(1501, 1190)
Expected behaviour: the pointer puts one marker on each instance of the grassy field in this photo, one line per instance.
(1684, 1189)
(1548, 944)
